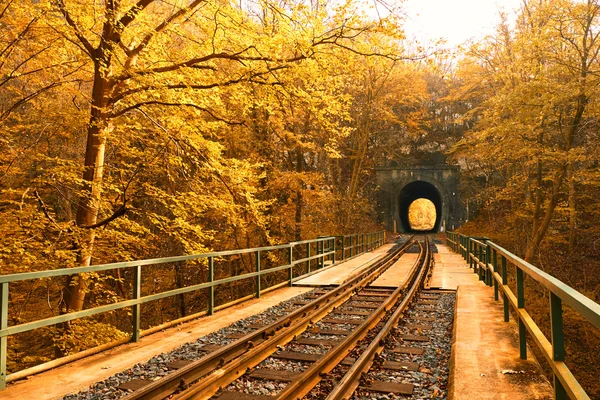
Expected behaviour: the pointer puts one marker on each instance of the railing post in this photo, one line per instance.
(321, 247)
(495, 267)
(470, 254)
(558, 341)
(136, 313)
(333, 254)
(3, 339)
(488, 258)
(291, 269)
(343, 248)
(504, 283)
(521, 304)
(308, 256)
(258, 276)
(211, 290)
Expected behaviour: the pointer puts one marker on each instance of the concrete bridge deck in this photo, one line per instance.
(485, 361)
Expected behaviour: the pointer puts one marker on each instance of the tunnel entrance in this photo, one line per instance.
(419, 190)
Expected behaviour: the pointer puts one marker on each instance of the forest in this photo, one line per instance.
(151, 128)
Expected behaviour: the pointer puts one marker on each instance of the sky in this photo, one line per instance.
(454, 20)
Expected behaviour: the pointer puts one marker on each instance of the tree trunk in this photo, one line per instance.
(87, 208)
(572, 209)
(299, 196)
(540, 233)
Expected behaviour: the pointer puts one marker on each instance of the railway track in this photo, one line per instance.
(206, 376)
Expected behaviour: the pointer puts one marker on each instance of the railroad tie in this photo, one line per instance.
(134, 384)
(210, 347)
(418, 326)
(424, 319)
(414, 338)
(415, 351)
(297, 356)
(369, 305)
(274, 375)
(372, 299)
(342, 321)
(178, 364)
(227, 395)
(256, 326)
(316, 342)
(390, 387)
(400, 366)
(352, 312)
(336, 332)
(236, 335)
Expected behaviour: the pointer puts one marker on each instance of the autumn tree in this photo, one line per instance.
(538, 85)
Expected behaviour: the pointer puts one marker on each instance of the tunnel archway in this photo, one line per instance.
(417, 190)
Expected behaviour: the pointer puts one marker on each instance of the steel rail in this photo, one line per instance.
(264, 338)
(348, 384)
(212, 383)
(313, 375)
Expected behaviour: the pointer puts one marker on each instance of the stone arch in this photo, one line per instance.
(412, 188)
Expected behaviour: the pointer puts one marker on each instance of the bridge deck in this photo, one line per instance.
(485, 361)
(397, 273)
(344, 271)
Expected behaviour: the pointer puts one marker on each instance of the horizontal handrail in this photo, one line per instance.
(325, 251)
(490, 260)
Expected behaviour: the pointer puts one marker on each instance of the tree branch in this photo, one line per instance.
(118, 213)
(86, 43)
(164, 103)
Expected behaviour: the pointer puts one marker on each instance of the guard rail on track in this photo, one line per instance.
(328, 249)
(489, 261)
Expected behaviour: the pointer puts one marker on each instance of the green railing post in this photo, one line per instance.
(495, 266)
(470, 254)
(558, 341)
(3, 339)
(290, 261)
(333, 251)
(211, 290)
(488, 259)
(308, 256)
(505, 282)
(343, 248)
(258, 276)
(136, 313)
(521, 304)
(321, 246)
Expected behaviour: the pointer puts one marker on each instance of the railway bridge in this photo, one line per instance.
(369, 316)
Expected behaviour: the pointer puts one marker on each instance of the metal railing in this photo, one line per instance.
(328, 250)
(490, 262)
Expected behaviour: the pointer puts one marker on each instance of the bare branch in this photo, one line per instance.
(164, 103)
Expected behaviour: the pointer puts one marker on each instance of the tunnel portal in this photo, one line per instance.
(399, 186)
(419, 190)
